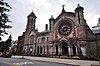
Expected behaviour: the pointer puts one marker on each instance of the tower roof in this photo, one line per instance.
(51, 17)
(79, 7)
(31, 15)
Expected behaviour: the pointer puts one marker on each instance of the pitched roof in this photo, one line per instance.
(43, 33)
(70, 13)
(31, 15)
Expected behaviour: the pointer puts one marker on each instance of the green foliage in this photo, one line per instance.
(4, 20)
(8, 42)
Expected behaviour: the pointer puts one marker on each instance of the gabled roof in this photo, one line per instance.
(88, 28)
(70, 13)
(43, 33)
(64, 12)
(31, 15)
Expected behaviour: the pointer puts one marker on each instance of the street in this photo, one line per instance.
(25, 62)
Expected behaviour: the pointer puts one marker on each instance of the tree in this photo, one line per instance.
(4, 9)
(7, 44)
(8, 41)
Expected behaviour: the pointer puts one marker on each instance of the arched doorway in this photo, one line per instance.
(37, 50)
(74, 50)
(44, 49)
(64, 48)
(31, 50)
(56, 49)
(41, 49)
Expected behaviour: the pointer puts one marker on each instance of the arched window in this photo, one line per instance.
(31, 39)
(42, 39)
(47, 38)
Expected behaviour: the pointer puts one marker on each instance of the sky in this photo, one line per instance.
(43, 9)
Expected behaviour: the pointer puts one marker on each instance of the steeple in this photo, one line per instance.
(63, 9)
(31, 15)
(51, 17)
(79, 7)
(31, 21)
(79, 14)
(51, 23)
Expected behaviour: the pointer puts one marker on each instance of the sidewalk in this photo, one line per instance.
(58, 60)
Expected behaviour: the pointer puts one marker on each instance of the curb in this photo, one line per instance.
(71, 62)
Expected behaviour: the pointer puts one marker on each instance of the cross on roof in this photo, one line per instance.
(63, 6)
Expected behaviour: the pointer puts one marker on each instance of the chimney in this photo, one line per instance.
(46, 27)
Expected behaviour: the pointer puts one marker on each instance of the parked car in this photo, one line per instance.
(1, 54)
(7, 54)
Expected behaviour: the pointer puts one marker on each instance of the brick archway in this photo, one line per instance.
(64, 47)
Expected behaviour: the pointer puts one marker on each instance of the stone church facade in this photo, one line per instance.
(68, 34)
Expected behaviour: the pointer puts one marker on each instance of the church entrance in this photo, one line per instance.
(64, 48)
(74, 50)
(56, 49)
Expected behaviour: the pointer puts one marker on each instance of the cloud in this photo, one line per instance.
(45, 8)
(40, 3)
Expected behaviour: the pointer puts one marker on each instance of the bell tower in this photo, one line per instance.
(31, 19)
(79, 14)
(80, 22)
(51, 23)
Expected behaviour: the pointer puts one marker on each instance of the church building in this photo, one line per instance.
(68, 34)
